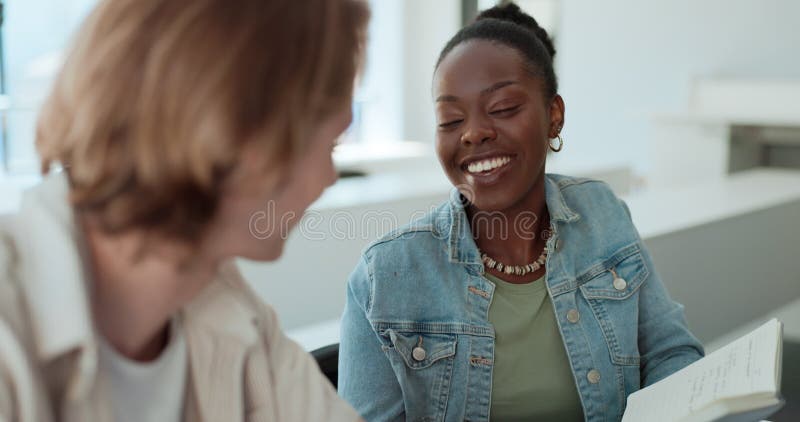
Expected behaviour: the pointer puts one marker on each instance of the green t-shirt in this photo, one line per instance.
(532, 378)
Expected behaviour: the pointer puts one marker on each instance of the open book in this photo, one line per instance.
(739, 382)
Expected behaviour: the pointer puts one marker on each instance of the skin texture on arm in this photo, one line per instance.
(366, 379)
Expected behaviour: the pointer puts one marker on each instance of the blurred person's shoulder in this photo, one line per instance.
(229, 306)
(18, 385)
(229, 319)
(12, 309)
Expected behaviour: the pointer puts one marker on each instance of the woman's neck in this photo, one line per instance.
(134, 295)
(513, 235)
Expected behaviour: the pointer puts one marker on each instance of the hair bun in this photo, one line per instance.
(510, 12)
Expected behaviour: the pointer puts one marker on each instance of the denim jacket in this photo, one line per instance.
(423, 286)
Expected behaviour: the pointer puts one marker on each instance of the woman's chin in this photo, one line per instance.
(489, 206)
(494, 199)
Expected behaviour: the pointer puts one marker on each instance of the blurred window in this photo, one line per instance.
(34, 34)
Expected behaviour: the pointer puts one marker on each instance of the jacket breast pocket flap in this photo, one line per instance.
(421, 350)
(618, 277)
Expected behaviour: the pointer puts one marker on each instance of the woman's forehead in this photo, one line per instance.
(476, 65)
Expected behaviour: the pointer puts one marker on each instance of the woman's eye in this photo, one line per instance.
(449, 124)
(503, 111)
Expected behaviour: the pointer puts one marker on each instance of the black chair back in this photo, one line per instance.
(328, 360)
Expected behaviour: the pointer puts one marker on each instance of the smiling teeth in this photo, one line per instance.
(488, 164)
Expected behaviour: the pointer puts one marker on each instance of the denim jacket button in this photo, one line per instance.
(593, 376)
(573, 315)
(418, 354)
(620, 283)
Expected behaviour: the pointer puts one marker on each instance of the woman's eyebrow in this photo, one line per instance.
(497, 86)
(446, 98)
(489, 90)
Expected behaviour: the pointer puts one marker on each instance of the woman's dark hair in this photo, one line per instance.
(508, 25)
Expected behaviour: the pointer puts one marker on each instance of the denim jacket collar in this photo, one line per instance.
(461, 244)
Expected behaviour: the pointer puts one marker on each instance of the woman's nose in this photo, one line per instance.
(478, 132)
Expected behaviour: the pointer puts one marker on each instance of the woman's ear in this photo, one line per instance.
(556, 116)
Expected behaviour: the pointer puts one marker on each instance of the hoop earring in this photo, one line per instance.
(560, 144)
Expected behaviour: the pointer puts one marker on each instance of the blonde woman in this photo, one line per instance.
(174, 121)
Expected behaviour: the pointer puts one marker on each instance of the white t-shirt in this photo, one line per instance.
(147, 392)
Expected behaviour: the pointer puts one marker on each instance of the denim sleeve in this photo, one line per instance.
(366, 379)
(665, 343)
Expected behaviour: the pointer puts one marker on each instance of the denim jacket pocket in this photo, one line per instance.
(430, 347)
(612, 291)
(601, 281)
(423, 364)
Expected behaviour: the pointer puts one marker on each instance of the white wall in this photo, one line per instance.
(308, 284)
(382, 110)
(35, 32)
(428, 26)
(406, 37)
(619, 60)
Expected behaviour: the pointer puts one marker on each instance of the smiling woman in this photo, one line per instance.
(498, 96)
(527, 296)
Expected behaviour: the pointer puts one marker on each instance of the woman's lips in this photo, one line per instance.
(488, 164)
(488, 170)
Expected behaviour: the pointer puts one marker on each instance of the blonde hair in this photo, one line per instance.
(157, 98)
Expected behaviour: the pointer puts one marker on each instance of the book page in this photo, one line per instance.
(744, 367)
